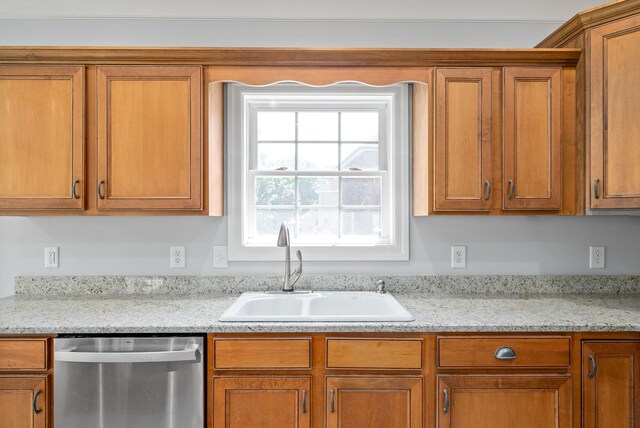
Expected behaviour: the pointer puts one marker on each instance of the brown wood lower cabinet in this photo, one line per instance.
(610, 382)
(23, 401)
(374, 402)
(262, 402)
(504, 401)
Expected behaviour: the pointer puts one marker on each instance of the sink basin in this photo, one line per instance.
(321, 306)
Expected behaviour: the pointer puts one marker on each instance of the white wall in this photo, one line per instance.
(498, 245)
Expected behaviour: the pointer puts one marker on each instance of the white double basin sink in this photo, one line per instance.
(320, 306)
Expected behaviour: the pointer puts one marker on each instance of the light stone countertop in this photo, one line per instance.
(434, 312)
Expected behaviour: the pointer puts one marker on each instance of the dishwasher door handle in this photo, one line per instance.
(189, 353)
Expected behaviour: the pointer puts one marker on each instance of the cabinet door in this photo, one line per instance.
(462, 164)
(532, 138)
(610, 382)
(149, 138)
(261, 402)
(504, 401)
(41, 137)
(374, 402)
(23, 402)
(615, 109)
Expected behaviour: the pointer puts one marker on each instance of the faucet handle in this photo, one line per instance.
(298, 270)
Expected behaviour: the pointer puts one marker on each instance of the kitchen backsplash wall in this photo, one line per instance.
(495, 245)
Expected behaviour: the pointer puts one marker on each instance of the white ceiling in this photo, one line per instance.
(360, 10)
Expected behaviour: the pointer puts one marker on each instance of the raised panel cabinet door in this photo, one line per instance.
(532, 146)
(536, 401)
(41, 137)
(373, 402)
(615, 108)
(610, 382)
(261, 402)
(23, 402)
(462, 164)
(149, 138)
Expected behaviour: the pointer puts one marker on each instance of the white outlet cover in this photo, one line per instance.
(51, 259)
(178, 257)
(596, 257)
(459, 256)
(220, 257)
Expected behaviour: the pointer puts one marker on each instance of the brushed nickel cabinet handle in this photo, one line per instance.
(445, 410)
(505, 353)
(594, 367)
(74, 189)
(100, 189)
(304, 401)
(596, 188)
(332, 404)
(487, 194)
(36, 409)
(512, 189)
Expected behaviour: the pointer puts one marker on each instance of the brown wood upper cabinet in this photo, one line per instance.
(532, 144)
(610, 383)
(462, 163)
(41, 137)
(149, 137)
(615, 109)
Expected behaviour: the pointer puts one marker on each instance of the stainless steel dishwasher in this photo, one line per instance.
(129, 382)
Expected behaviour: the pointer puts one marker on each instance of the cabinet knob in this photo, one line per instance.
(505, 353)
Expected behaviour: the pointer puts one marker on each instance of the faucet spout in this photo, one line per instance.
(285, 241)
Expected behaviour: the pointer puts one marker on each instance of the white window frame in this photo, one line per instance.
(241, 103)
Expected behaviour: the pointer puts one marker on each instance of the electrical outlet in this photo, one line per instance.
(51, 258)
(178, 257)
(220, 259)
(459, 256)
(596, 257)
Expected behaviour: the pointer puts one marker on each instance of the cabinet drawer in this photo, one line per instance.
(23, 354)
(248, 354)
(483, 351)
(374, 353)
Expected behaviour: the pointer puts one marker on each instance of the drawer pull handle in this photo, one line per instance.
(36, 409)
(594, 367)
(505, 353)
(596, 188)
(512, 189)
(100, 188)
(74, 189)
(445, 410)
(304, 401)
(487, 194)
(332, 404)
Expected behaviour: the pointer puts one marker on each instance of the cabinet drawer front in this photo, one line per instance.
(374, 353)
(482, 352)
(23, 354)
(262, 353)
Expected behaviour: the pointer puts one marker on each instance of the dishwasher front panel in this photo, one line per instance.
(129, 382)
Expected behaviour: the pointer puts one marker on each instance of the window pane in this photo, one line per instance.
(276, 126)
(268, 221)
(275, 191)
(318, 191)
(363, 156)
(276, 155)
(359, 126)
(361, 191)
(318, 126)
(318, 221)
(318, 156)
(361, 222)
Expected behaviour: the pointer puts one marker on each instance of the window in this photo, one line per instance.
(330, 162)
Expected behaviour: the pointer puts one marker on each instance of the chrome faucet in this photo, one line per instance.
(285, 241)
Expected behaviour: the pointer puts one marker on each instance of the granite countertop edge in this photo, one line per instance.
(144, 314)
